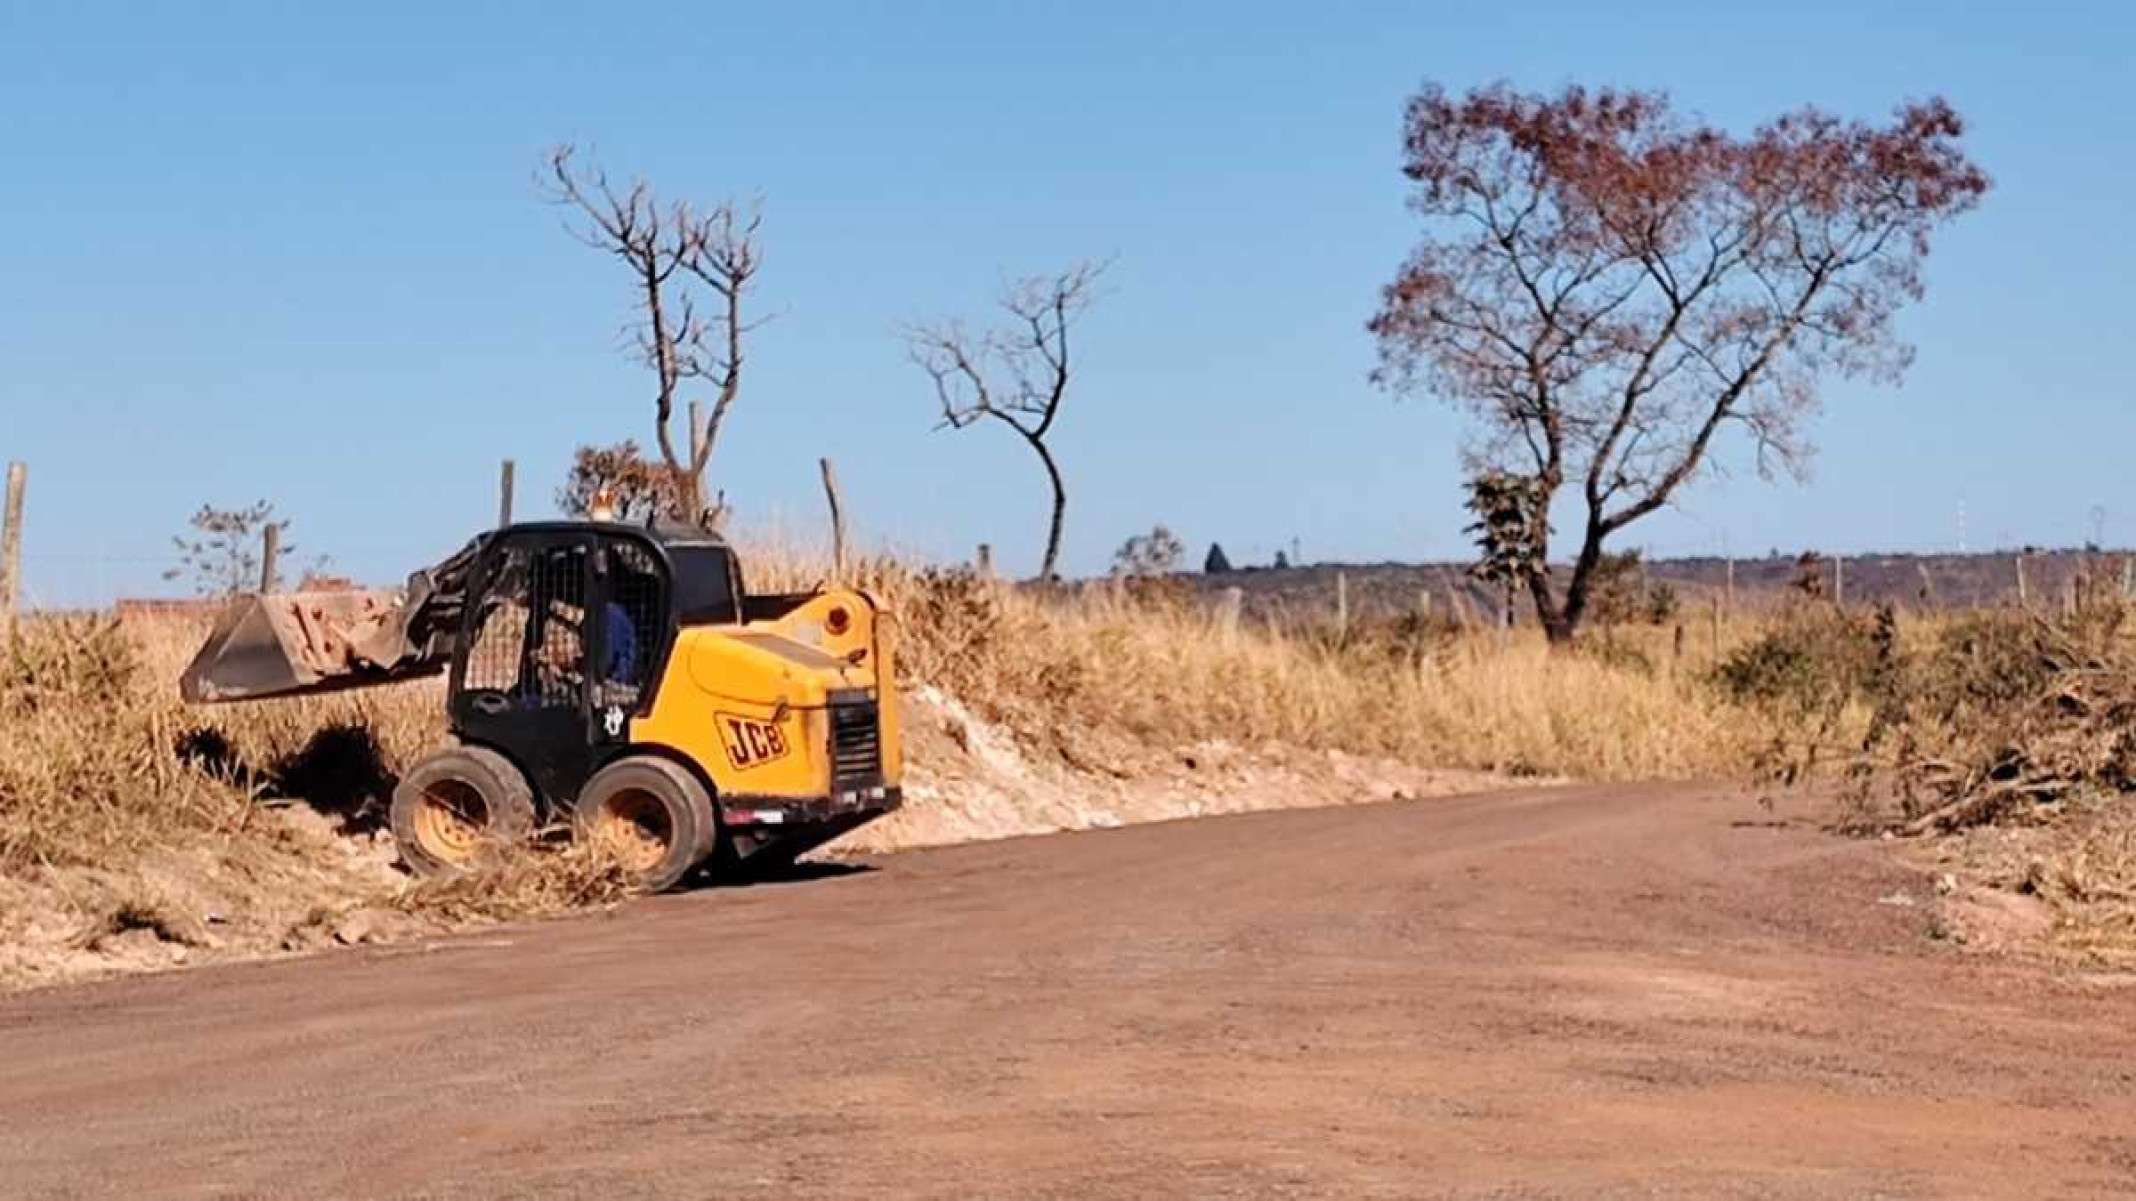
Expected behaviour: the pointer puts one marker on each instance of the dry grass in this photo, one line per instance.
(1053, 665)
(103, 768)
(529, 881)
(102, 758)
(87, 772)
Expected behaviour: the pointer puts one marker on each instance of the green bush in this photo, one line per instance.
(1817, 658)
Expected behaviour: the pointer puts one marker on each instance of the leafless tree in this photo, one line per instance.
(1156, 553)
(692, 270)
(220, 556)
(1017, 374)
(1608, 286)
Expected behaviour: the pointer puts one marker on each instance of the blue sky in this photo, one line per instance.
(291, 252)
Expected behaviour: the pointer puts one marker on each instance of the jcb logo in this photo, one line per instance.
(751, 743)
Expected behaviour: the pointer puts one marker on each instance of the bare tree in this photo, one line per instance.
(1608, 286)
(220, 555)
(1156, 553)
(1017, 375)
(692, 270)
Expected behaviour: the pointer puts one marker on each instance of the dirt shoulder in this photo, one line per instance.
(1562, 993)
(293, 880)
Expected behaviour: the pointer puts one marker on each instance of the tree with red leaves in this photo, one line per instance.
(620, 478)
(1608, 287)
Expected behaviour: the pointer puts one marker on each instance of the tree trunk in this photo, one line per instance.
(1060, 509)
(1561, 620)
(1548, 612)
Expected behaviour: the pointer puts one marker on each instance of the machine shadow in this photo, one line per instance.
(340, 771)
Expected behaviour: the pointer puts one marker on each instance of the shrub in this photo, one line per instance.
(1815, 660)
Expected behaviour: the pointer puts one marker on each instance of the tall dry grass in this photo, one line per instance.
(1160, 668)
(100, 759)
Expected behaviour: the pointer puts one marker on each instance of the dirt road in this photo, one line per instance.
(1594, 992)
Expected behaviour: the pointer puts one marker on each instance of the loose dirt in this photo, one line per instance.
(1561, 993)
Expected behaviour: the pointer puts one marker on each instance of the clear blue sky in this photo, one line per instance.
(280, 251)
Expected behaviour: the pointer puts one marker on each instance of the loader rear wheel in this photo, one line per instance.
(652, 815)
(457, 806)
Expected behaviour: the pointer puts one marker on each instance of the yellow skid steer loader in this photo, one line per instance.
(616, 675)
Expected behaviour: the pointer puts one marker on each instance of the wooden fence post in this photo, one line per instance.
(11, 546)
(270, 552)
(1456, 599)
(504, 493)
(1342, 606)
(2024, 592)
(1839, 581)
(838, 528)
(1228, 604)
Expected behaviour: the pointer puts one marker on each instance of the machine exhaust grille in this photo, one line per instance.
(856, 746)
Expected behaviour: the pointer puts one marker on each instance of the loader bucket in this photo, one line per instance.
(265, 646)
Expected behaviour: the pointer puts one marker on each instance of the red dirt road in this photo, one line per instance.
(1579, 993)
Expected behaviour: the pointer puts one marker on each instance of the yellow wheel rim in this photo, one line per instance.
(633, 826)
(452, 821)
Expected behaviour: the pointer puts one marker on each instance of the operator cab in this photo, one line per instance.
(566, 633)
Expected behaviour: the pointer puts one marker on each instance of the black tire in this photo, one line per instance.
(654, 814)
(458, 806)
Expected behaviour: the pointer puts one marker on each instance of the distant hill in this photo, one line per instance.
(1918, 581)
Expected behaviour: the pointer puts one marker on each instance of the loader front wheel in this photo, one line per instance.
(457, 806)
(652, 815)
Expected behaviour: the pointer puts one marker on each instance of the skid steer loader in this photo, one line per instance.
(614, 675)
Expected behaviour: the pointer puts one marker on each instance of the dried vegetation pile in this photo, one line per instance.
(2008, 736)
